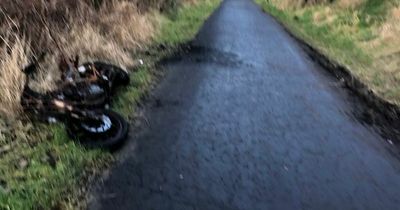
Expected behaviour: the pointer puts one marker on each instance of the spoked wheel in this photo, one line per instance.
(107, 132)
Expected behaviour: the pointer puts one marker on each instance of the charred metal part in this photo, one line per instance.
(81, 101)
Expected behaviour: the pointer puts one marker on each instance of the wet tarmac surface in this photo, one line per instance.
(246, 121)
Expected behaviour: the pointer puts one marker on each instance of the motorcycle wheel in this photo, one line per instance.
(108, 133)
(122, 76)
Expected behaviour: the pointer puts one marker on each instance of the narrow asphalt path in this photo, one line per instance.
(246, 121)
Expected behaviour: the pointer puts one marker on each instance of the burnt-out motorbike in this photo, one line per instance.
(80, 102)
(92, 84)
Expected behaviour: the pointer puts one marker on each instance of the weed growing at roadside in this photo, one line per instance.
(361, 34)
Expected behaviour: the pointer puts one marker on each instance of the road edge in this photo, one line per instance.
(378, 112)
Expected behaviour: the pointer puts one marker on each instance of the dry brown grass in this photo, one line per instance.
(13, 55)
(126, 24)
(362, 34)
(388, 32)
(396, 13)
(109, 32)
(344, 4)
(349, 4)
(285, 4)
(324, 16)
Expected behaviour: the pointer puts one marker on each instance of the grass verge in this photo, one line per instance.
(50, 172)
(183, 25)
(358, 34)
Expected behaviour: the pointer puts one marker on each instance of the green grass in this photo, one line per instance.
(140, 82)
(183, 25)
(351, 36)
(45, 169)
(331, 37)
(373, 11)
(55, 168)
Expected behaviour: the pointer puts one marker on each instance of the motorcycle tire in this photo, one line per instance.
(110, 133)
(121, 77)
